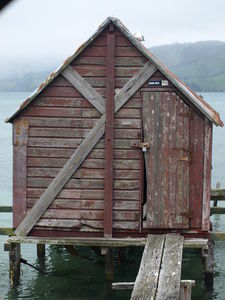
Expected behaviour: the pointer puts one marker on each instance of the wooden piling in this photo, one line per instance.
(208, 260)
(215, 201)
(14, 264)
(122, 255)
(41, 251)
(185, 289)
(109, 264)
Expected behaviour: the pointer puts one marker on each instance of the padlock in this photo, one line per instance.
(144, 149)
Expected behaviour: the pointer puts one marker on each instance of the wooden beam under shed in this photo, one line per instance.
(101, 242)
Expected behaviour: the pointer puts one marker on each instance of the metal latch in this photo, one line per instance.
(187, 157)
(144, 145)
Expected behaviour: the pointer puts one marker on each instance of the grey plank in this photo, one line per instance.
(81, 153)
(145, 286)
(170, 273)
(84, 88)
(131, 87)
(80, 241)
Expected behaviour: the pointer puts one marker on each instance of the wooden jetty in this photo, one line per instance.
(110, 148)
(159, 275)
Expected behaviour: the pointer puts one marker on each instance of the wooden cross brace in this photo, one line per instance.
(128, 90)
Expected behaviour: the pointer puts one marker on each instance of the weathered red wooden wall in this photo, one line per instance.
(60, 118)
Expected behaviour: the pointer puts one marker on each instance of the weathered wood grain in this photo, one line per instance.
(167, 131)
(84, 88)
(90, 70)
(65, 112)
(86, 204)
(55, 132)
(94, 52)
(58, 102)
(84, 173)
(133, 85)
(85, 194)
(54, 122)
(81, 153)
(55, 142)
(207, 175)
(145, 286)
(54, 91)
(20, 138)
(60, 180)
(74, 183)
(170, 273)
(67, 152)
(130, 61)
(62, 223)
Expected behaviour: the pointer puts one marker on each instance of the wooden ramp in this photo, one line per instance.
(159, 274)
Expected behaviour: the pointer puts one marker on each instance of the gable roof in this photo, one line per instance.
(203, 106)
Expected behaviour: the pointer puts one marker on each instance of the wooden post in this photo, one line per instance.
(14, 263)
(122, 255)
(185, 289)
(109, 264)
(109, 132)
(41, 251)
(208, 260)
(215, 201)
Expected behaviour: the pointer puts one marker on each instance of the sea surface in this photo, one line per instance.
(82, 276)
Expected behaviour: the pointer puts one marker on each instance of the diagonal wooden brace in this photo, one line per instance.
(82, 151)
(85, 88)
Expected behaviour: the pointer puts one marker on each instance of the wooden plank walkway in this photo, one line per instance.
(159, 274)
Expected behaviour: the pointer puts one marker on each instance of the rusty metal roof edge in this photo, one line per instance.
(57, 71)
(203, 106)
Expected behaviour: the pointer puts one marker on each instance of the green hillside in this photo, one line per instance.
(201, 65)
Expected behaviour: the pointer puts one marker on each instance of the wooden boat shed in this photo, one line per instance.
(112, 144)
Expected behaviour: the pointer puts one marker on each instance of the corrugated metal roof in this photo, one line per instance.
(203, 106)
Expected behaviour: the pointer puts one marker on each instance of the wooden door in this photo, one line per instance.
(166, 128)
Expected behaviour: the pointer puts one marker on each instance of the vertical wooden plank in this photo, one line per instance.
(180, 164)
(170, 273)
(207, 175)
(196, 169)
(186, 166)
(165, 209)
(145, 286)
(172, 155)
(20, 139)
(149, 136)
(109, 132)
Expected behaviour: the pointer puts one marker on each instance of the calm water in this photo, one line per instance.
(82, 277)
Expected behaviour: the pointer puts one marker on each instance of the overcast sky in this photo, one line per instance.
(40, 31)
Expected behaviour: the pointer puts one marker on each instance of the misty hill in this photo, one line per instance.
(201, 65)
(23, 83)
